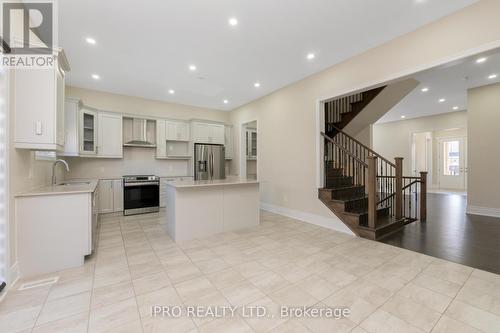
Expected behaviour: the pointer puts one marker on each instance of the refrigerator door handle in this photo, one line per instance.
(212, 165)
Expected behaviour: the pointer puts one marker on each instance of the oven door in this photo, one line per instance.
(143, 198)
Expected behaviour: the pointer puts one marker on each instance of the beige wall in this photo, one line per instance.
(394, 139)
(484, 154)
(135, 160)
(287, 118)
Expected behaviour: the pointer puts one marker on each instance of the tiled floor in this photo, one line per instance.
(281, 262)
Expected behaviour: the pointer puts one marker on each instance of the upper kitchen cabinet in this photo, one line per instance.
(228, 141)
(110, 135)
(72, 108)
(177, 131)
(251, 143)
(161, 139)
(88, 131)
(208, 133)
(39, 107)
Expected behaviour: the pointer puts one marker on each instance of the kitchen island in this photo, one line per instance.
(200, 208)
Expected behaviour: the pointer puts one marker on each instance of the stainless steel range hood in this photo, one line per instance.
(139, 134)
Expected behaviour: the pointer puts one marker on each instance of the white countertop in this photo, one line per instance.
(74, 186)
(215, 182)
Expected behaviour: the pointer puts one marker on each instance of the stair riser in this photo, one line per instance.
(335, 182)
(349, 193)
(333, 172)
(356, 205)
(363, 219)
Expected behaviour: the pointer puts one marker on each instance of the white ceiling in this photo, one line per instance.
(449, 82)
(144, 48)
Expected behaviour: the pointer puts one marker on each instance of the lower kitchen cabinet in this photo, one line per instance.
(110, 195)
(163, 187)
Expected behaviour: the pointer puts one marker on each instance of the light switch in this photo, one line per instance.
(38, 128)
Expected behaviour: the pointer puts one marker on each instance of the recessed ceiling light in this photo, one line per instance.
(225, 101)
(311, 56)
(425, 89)
(442, 100)
(403, 117)
(481, 60)
(192, 68)
(171, 91)
(95, 77)
(233, 21)
(455, 108)
(493, 76)
(90, 40)
(256, 84)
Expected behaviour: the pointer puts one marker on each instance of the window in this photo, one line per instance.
(451, 158)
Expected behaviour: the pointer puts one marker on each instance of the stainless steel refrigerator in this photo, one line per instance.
(209, 162)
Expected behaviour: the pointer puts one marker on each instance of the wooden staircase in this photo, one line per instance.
(366, 191)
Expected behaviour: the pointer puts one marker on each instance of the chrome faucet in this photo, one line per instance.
(54, 169)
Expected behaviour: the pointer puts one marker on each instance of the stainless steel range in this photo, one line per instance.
(141, 194)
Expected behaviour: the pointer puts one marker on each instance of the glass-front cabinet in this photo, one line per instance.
(251, 140)
(88, 132)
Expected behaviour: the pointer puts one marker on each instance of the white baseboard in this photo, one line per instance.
(12, 277)
(325, 222)
(484, 211)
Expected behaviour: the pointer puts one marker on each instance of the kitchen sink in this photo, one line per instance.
(74, 184)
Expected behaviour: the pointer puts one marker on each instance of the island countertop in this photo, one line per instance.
(215, 182)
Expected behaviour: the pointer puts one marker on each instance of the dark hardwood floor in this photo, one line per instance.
(451, 234)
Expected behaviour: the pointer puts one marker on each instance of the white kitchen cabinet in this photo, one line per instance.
(163, 187)
(88, 132)
(228, 141)
(118, 195)
(161, 139)
(39, 107)
(110, 195)
(106, 199)
(57, 231)
(71, 118)
(110, 135)
(251, 143)
(208, 133)
(177, 131)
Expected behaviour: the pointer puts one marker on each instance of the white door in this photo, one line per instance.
(117, 195)
(110, 137)
(88, 132)
(182, 131)
(422, 153)
(201, 133)
(452, 163)
(161, 139)
(217, 134)
(106, 196)
(171, 128)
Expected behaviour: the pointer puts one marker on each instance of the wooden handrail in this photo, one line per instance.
(362, 145)
(344, 150)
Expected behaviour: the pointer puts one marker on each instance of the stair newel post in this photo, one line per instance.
(372, 191)
(399, 188)
(423, 196)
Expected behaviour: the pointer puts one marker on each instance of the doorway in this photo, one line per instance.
(453, 163)
(422, 153)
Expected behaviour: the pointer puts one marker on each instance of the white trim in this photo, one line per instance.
(412, 71)
(325, 222)
(483, 211)
(320, 127)
(12, 278)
